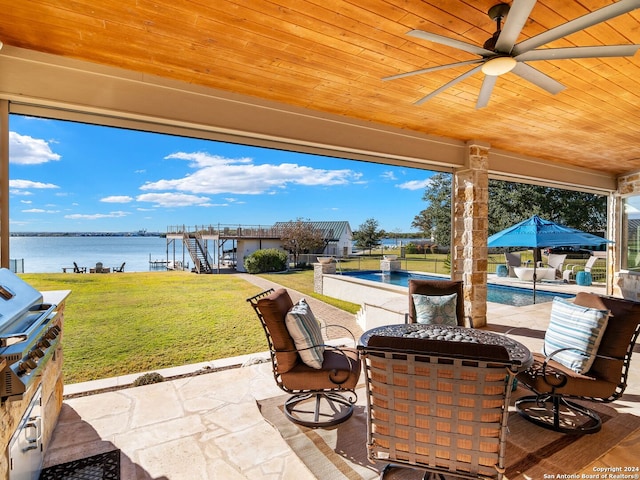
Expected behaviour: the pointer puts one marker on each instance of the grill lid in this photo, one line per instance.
(19, 304)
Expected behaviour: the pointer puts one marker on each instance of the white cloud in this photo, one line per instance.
(40, 210)
(389, 175)
(26, 150)
(214, 175)
(22, 184)
(96, 216)
(117, 199)
(415, 184)
(174, 200)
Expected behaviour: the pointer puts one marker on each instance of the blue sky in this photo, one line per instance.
(73, 177)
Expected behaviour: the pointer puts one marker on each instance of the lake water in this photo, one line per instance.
(50, 254)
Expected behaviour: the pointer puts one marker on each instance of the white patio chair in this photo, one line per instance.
(570, 272)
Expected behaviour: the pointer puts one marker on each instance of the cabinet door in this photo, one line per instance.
(25, 449)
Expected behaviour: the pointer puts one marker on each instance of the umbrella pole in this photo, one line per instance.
(534, 281)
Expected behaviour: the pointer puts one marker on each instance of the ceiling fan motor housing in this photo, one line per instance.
(496, 13)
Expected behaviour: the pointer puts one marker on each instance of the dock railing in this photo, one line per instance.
(227, 231)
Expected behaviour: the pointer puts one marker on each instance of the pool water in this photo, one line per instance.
(505, 295)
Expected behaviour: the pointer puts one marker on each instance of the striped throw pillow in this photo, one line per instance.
(436, 309)
(307, 336)
(578, 328)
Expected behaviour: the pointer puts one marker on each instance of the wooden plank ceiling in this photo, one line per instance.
(330, 56)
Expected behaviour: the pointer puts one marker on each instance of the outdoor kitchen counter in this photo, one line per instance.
(55, 296)
(35, 394)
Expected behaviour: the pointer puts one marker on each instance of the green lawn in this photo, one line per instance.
(125, 323)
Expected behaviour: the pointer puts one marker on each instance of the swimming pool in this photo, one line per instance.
(503, 294)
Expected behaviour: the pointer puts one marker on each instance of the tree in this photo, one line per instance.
(301, 236)
(368, 236)
(510, 203)
(435, 220)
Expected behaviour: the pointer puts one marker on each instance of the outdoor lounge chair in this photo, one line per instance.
(570, 273)
(605, 380)
(320, 397)
(437, 406)
(431, 288)
(512, 260)
(76, 269)
(556, 261)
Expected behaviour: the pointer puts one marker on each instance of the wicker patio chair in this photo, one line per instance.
(437, 288)
(605, 381)
(437, 406)
(320, 397)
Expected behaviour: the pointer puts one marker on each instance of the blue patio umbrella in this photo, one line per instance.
(536, 232)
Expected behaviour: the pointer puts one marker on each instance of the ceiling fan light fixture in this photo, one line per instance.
(499, 66)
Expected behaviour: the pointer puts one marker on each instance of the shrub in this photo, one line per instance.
(263, 261)
(148, 378)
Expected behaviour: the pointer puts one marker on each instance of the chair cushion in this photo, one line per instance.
(624, 319)
(436, 309)
(340, 370)
(274, 310)
(577, 385)
(307, 336)
(578, 328)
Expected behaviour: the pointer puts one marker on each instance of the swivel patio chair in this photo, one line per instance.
(321, 396)
(436, 406)
(553, 382)
(433, 288)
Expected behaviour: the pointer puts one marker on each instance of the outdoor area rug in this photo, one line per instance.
(532, 451)
(105, 466)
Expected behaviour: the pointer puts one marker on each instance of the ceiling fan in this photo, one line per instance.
(500, 54)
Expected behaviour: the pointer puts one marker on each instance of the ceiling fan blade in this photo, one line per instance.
(485, 91)
(538, 78)
(447, 85)
(433, 69)
(579, 52)
(516, 18)
(580, 23)
(450, 42)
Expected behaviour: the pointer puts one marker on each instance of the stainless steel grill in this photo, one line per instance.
(28, 334)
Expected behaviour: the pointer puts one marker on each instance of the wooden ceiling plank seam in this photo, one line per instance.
(52, 16)
(278, 23)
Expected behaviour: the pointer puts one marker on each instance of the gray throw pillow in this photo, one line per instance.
(436, 309)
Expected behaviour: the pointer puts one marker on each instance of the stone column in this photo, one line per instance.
(470, 225)
(320, 269)
(389, 265)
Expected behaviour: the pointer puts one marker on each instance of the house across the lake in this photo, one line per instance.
(240, 241)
